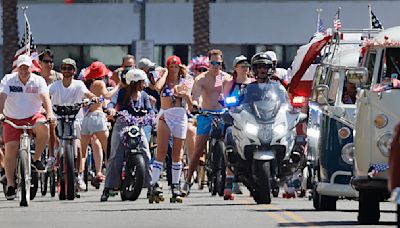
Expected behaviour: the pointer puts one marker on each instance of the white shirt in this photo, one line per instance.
(23, 101)
(74, 93)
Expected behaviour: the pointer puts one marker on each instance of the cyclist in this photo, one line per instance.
(129, 98)
(208, 86)
(70, 91)
(280, 74)
(22, 96)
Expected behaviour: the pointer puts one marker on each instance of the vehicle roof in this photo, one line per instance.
(387, 38)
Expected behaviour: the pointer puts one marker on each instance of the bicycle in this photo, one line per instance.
(215, 161)
(66, 132)
(23, 170)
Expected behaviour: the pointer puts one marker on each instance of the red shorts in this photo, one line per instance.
(12, 134)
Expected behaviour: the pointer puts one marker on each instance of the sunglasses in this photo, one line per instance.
(67, 68)
(47, 61)
(216, 63)
(201, 70)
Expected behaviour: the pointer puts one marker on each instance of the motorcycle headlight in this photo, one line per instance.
(384, 142)
(251, 129)
(348, 153)
(279, 129)
(133, 131)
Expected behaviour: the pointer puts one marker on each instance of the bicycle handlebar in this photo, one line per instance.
(24, 127)
(207, 112)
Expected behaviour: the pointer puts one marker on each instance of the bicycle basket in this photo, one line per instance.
(66, 110)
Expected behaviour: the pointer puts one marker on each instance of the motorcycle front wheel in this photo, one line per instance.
(262, 189)
(134, 177)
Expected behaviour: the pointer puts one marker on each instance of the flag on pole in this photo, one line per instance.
(320, 25)
(27, 47)
(375, 23)
(337, 24)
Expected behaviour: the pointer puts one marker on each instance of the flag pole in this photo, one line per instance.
(318, 10)
(370, 15)
(27, 28)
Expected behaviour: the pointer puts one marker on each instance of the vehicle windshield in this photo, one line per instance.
(264, 100)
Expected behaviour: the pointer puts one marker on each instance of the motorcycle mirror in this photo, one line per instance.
(322, 93)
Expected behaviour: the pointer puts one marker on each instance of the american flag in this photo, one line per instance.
(375, 23)
(337, 24)
(27, 47)
(320, 25)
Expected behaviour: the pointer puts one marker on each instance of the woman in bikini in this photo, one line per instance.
(172, 120)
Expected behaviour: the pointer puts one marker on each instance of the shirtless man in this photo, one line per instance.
(208, 85)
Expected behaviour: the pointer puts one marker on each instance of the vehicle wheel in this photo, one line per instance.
(86, 175)
(69, 153)
(323, 202)
(398, 215)
(43, 183)
(52, 183)
(262, 191)
(34, 185)
(25, 183)
(219, 168)
(134, 177)
(275, 192)
(61, 181)
(368, 207)
(315, 196)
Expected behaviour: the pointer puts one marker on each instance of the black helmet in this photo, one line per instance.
(261, 58)
(122, 74)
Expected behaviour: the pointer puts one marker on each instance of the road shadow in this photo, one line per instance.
(136, 209)
(331, 223)
(313, 210)
(221, 204)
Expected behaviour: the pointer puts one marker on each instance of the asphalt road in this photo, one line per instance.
(199, 210)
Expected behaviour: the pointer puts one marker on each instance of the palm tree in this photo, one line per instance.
(201, 27)
(10, 33)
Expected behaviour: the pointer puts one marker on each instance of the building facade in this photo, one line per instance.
(106, 30)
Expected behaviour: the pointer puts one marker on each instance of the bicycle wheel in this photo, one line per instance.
(70, 167)
(43, 182)
(34, 185)
(24, 183)
(52, 183)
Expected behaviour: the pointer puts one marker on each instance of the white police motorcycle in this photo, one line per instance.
(261, 138)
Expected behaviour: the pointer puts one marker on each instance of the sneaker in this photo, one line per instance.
(11, 193)
(51, 161)
(186, 189)
(38, 166)
(81, 183)
(236, 189)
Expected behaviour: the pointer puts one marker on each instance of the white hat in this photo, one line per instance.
(238, 59)
(135, 75)
(24, 60)
(272, 55)
(145, 63)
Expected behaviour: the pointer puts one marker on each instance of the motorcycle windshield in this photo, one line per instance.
(263, 100)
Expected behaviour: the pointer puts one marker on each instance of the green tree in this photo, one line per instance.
(10, 33)
(201, 27)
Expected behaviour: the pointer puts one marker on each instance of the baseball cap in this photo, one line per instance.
(241, 58)
(24, 60)
(135, 75)
(272, 55)
(69, 61)
(145, 63)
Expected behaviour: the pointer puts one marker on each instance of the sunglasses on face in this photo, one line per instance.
(67, 68)
(216, 63)
(201, 70)
(47, 61)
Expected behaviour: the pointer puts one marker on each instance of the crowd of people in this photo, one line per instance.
(171, 94)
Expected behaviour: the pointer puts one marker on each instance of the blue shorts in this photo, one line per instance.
(204, 123)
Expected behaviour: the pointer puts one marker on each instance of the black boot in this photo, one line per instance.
(177, 196)
(105, 195)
